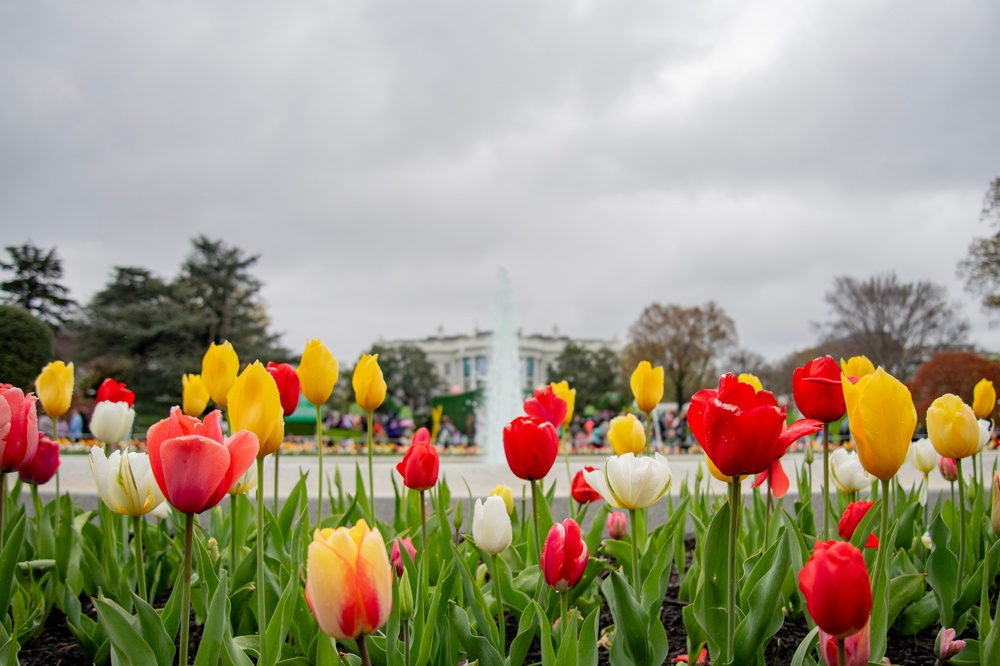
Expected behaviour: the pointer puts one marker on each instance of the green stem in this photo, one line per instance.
(961, 520)
(569, 475)
(767, 511)
(371, 475)
(927, 495)
(186, 588)
(534, 515)
(841, 652)
(423, 525)
(501, 619)
(363, 651)
(261, 581)
(826, 482)
(319, 452)
(3, 500)
(883, 536)
(564, 607)
(734, 512)
(635, 554)
(140, 568)
(274, 506)
(232, 533)
(406, 642)
(649, 423)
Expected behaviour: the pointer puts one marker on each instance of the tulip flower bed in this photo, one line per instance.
(749, 577)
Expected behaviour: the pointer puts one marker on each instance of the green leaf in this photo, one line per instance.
(480, 609)
(761, 599)
(130, 646)
(802, 654)
(587, 645)
(280, 619)
(902, 591)
(154, 632)
(544, 635)
(711, 597)
(477, 647)
(942, 568)
(639, 638)
(216, 620)
(13, 543)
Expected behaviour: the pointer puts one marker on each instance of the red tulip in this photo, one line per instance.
(817, 390)
(948, 468)
(853, 514)
(43, 464)
(616, 524)
(741, 429)
(564, 556)
(112, 391)
(419, 466)
(396, 556)
(547, 406)
(192, 464)
(531, 446)
(779, 480)
(288, 385)
(581, 490)
(18, 428)
(835, 584)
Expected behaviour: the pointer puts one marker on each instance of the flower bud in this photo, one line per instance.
(396, 556)
(564, 555)
(213, 549)
(948, 469)
(456, 520)
(405, 598)
(945, 645)
(616, 524)
(507, 495)
(491, 528)
(112, 421)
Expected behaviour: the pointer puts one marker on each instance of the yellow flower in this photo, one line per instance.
(984, 399)
(369, 385)
(752, 380)
(317, 372)
(562, 390)
(436, 414)
(647, 386)
(255, 404)
(274, 440)
(857, 367)
(349, 581)
(195, 395)
(882, 417)
(952, 427)
(55, 388)
(219, 368)
(507, 495)
(627, 435)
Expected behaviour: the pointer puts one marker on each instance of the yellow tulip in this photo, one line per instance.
(55, 388)
(562, 390)
(255, 404)
(952, 427)
(882, 418)
(317, 372)
(369, 385)
(752, 380)
(857, 367)
(195, 396)
(507, 495)
(436, 414)
(647, 386)
(984, 399)
(627, 435)
(349, 581)
(219, 368)
(274, 440)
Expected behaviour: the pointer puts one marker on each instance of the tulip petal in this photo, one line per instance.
(332, 588)
(374, 580)
(194, 467)
(242, 447)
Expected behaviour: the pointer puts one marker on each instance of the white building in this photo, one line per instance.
(463, 360)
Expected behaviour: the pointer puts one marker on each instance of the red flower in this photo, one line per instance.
(581, 490)
(531, 446)
(779, 480)
(564, 556)
(835, 584)
(112, 391)
(547, 406)
(18, 428)
(741, 429)
(287, 380)
(43, 464)
(853, 514)
(948, 468)
(192, 464)
(396, 556)
(419, 466)
(817, 390)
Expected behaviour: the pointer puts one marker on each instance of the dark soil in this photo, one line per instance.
(56, 646)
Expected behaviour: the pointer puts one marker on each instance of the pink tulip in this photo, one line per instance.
(616, 524)
(18, 428)
(856, 646)
(396, 556)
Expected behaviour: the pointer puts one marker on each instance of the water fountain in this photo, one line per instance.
(503, 392)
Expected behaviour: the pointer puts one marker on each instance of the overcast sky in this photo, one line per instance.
(385, 158)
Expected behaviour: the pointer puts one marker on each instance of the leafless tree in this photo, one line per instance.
(685, 341)
(896, 324)
(981, 269)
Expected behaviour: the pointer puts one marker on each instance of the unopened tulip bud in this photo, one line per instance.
(491, 528)
(948, 469)
(809, 455)
(927, 541)
(405, 598)
(616, 525)
(456, 520)
(945, 645)
(699, 474)
(213, 549)
(481, 572)
(396, 556)
(507, 495)
(984, 399)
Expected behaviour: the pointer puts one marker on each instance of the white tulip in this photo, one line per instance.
(630, 482)
(491, 528)
(847, 471)
(923, 456)
(112, 421)
(985, 434)
(125, 481)
(245, 483)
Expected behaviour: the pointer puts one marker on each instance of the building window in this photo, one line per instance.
(447, 369)
(466, 367)
(529, 366)
(481, 366)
